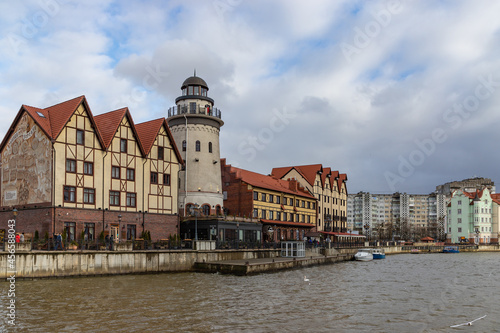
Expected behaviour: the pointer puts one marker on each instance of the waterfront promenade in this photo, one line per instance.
(73, 263)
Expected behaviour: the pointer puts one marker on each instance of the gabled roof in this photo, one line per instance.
(108, 124)
(307, 171)
(148, 132)
(267, 182)
(52, 119)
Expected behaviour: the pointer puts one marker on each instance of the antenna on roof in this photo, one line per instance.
(195, 72)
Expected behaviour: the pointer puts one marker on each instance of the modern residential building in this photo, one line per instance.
(473, 217)
(329, 187)
(286, 210)
(397, 215)
(63, 169)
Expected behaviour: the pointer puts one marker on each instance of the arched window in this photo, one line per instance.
(210, 147)
(217, 210)
(206, 210)
(198, 145)
(189, 209)
(184, 145)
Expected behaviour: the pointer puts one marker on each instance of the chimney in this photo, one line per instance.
(292, 185)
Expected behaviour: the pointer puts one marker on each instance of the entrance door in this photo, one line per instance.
(114, 233)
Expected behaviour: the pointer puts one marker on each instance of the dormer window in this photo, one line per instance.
(40, 114)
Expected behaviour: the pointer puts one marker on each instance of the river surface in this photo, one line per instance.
(403, 293)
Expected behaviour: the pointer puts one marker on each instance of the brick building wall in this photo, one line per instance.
(239, 199)
(51, 220)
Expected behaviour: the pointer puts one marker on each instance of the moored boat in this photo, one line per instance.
(451, 249)
(378, 253)
(364, 255)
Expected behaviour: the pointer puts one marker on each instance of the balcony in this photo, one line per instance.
(180, 110)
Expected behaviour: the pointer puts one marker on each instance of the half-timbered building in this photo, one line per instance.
(64, 169)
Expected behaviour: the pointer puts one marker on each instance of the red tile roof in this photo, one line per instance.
(108, 124)
(148, 131)
(309, 173)
(53, 119)
(267, 182)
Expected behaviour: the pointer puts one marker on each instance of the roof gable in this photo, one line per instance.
(148, 132)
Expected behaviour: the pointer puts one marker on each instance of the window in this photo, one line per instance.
(308, 205)
(80, 137)
(89, 231)
(459, 220)
(210, 147)
(70, 227)
(70, 166)
(131, 231)
(154, 177)
(206, 210)
(88, 168)
(459, 202)
(256, 195)
(192, 105)
(297, 203)
(198, 145)
(123, 145)
(115, 172)
(160, 153)
(459, 229)
(89, 195)
(291, 201)
(278, 216)
(278, 199)
(69, 194)
(264, 214)
(184, 145)
(255, 212)
(131, 199)
(263, 197)
(114, 198)
(459, 211)
(303, 204)
(271, 215)
(271, 198)
(131, 174)
(284, 216)
(166, 179)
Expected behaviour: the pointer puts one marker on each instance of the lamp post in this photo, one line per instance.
(237, 235)
(477, 235)
(119, 225)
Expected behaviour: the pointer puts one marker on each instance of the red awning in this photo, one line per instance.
(344, 234)
(289, 224)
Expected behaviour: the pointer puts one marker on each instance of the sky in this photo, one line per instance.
(399, 95)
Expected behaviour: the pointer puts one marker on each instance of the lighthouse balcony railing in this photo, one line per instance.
(179, 110)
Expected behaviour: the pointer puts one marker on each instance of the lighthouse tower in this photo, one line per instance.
(195, 126)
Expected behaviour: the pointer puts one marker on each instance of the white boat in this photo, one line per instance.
(364, 255)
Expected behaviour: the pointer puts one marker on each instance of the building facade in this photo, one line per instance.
(473, 217)
(66, 171)
(286, 210)
(328, 187)
(397, 215)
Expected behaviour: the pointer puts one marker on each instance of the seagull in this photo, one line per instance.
(469, 323)
(306, 279)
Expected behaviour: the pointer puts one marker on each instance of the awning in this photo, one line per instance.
(289, 224)
(342, 234)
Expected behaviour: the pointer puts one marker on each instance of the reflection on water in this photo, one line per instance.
(403, 293)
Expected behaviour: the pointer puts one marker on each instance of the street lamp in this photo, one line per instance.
(119, 225)
(237, 235)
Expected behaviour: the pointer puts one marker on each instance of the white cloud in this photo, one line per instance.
(358, 115)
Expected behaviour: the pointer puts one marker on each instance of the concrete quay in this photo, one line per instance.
(269, 265)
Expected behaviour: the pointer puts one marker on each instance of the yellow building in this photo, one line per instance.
(64, 169)
(328, 186)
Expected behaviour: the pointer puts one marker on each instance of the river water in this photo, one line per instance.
(403, 293)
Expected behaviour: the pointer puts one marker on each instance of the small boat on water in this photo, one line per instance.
(451, 249)
(364, 255)
(378, 254)
(415, 251)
